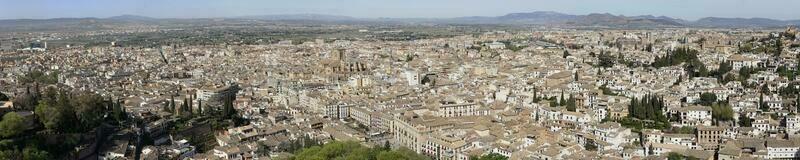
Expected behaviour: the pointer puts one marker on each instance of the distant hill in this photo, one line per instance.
(539, 17)
(555, 18)
(535, 18)
(605, 19)
(742, 22)
(315, 17)
(131, 18)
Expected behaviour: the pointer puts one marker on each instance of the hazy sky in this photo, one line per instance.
(687, 9)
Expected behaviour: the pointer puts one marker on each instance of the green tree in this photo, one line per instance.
(199, 106)
(401, 154)
(707, 99)
(590, 146)
(490, 156)
(761, 105)
(722, 112)
(745, 121)
(118, 112)
(89, 108)
(10, 154)
(387, 146)
(566, 54)
(605, 60)
(3, 97)
(48, 115)
(571, 104)
(31, 153)
(12, 124)
(354, 150)
(778, 47)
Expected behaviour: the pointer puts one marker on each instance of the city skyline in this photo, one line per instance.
(684, 9)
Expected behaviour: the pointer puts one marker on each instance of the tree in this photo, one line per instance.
(48, 115)
(576, 76)
(354, 150)
(490, 156)
(765, 89)
(761, 105)
(566, 54)
(721, 112)
(724, 68)
(3, 97)
(553, 103)
(172, 104)
(89, 108)
(778, 47)
(590, 146)
(199, 106)
(745, 121)
(12, 124)
(32, 153)
(728, 78)
(10, 154)
(606, 61)
(674, 156)
(401, 154)
(166, 107)
(387, 146)
(117, 112)
(571, 104)
(707, 99)
(228, 109)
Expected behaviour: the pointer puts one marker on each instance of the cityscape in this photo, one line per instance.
(319, 85)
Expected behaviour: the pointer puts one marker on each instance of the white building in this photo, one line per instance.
(695, 115)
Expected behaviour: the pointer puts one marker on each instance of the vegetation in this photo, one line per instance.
(354, 150)
(571, 104)
(39, 77)
(4, 97)
(647, 108)
(513, 47)
(646, 113)
(607, 91)
(676, 156)
(722, 112)
(745, 121)
(61, 119)
(676, 57)
(491, 156)
(605, 60)
(707, 99)
(11, 125)
(590, 146)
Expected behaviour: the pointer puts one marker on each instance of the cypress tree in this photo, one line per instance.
(200, 106)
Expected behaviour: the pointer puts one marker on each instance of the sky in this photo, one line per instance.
(685, 9)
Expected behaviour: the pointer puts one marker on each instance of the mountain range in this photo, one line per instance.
(606, 19)
(535, 18)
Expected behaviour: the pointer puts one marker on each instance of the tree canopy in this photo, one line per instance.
(354, 150)
(707, 99)
(491, 156)
(722, 112)
(12, 124)
(4, 97)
